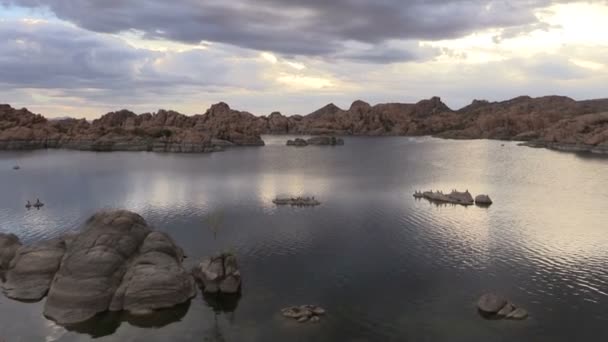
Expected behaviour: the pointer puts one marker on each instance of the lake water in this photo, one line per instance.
(385, 266)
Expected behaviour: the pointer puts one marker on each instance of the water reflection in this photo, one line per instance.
(385, 266)
(107, 323)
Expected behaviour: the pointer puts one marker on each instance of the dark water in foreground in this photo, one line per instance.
(385, 266)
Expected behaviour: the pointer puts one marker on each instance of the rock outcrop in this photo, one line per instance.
(219, 274)
(493, 306)
(550, 121)
(116, 262)
(164, 131)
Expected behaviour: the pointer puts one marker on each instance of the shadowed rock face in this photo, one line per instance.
(115, 263)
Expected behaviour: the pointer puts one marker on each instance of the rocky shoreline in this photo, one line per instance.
(555, 122)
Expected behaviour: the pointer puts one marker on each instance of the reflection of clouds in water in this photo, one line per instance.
(161, 191)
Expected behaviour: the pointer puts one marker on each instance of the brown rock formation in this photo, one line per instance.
(551, 121)
(164, 131)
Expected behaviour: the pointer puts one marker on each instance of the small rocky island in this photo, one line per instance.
(297, 201)
(319, 141)
(454, 197)
(116, 262)
(496, 307)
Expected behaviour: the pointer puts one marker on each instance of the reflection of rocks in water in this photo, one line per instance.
(222, 302)
(107, 323)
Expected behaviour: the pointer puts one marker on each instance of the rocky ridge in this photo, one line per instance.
(551, 121)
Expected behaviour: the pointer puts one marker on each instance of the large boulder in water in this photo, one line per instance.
(219, 274)
(115, 263)
(144, 288)
(9, 243)
(94, 265)
(32, 270)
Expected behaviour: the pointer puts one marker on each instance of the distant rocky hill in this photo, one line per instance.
(550, 121)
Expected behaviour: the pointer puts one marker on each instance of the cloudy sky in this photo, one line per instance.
(86, 57)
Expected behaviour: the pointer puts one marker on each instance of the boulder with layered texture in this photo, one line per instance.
(116, 262)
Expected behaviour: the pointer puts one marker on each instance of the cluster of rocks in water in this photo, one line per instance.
(496, 307)
(115, 263)
(296, 201)
(304, 313)
(454, 197)
(118, 263)
(319, 141)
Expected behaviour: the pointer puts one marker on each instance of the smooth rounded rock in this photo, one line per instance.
(490, 303)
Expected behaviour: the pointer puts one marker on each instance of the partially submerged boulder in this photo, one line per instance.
(483, 200)
(115, 263)
(219, 274)
(304, 313)
(491, 303)
(9, 243)
(494, 306)
(144, 288)
(32, 270)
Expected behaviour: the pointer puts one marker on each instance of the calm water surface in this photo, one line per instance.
(386, 267)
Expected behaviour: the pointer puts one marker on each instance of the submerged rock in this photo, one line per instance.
(116, 262)
(304, 313)
(518, 313)
(219, 274)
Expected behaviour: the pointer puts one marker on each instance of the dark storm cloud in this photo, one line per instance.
(295, 27)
